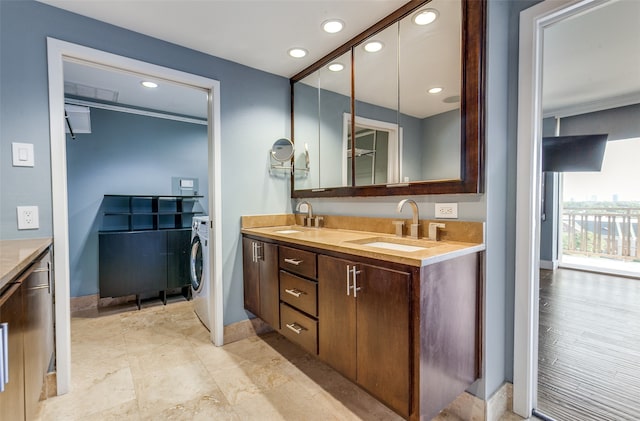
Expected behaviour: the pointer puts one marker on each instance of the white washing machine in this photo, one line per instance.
(200, 268)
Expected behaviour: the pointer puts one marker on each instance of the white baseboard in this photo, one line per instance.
(549, 264)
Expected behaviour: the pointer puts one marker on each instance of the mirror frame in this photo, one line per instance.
(472, 109)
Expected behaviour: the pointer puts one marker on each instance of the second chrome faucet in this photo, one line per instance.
(415, 223)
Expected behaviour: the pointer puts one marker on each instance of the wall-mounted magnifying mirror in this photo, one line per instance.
(282, 150)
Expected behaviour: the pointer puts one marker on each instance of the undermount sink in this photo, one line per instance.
(396, 244)
(293, 229)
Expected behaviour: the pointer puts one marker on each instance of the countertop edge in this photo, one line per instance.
(23, 262)
(465, 248)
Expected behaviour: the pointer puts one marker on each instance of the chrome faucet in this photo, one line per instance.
(415, 225)
(433, 230)
(308, 220)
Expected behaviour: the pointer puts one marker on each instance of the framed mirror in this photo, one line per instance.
(436, 144)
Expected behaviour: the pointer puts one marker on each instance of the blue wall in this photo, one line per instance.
(254, 113)
(124, 154)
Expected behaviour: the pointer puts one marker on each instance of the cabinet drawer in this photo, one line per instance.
(298, 261)
(299, 328)
(300, 293)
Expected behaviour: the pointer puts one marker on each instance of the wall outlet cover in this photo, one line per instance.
(28, 218)
(447, 210)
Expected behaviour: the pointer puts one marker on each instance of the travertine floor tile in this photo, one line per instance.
(115, 389)
(159, 364)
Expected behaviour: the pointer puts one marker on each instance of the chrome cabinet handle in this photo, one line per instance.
(295, 292)
(348, 278)
(255, 247)
(296, 328)
(355, 286)
(5, 354)
(293, 261)
(352, 273)
(49, 277)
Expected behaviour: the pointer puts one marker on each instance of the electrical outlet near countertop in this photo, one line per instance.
(28, 218)
(447, 210)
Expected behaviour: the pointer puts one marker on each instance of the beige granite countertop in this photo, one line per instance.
(351, 242)
(17, 255)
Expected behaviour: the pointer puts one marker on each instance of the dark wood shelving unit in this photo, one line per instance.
(144, 244)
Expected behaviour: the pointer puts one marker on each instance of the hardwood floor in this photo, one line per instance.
(589, 346)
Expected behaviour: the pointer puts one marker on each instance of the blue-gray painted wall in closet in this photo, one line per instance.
(124, 154)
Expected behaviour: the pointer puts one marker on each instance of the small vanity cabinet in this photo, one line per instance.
(299, 297)
(260, 266)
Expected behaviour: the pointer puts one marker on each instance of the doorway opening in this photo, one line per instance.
(536, 24)
(57, 52)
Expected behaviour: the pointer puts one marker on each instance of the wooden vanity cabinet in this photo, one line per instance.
(408, 335)
(364, 315)
(260, 266)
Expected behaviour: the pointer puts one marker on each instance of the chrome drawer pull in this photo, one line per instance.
(296, 328)
(293, 261)
(295, 292)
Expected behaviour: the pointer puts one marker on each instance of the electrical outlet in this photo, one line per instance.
(28, 218)
(447, 210)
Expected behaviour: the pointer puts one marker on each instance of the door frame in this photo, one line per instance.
(57, 52)
(533, 21)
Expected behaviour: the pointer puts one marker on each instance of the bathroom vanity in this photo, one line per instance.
(399, 317)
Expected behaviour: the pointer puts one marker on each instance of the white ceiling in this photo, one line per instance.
(592, 61)
(256, 33)
(593, 58)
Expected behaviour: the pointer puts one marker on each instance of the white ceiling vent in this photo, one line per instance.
(78, 119)
(85, 91)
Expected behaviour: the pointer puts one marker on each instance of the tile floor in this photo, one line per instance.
(158, 364)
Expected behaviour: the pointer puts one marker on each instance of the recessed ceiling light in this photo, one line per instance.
(297, 52)
(336, 67)
(425, 16)
(149, 84)
(435, 90)
(373, 46)
(333, 26)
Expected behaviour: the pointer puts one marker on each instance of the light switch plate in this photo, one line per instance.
(447, 210)
(28, 218)
(22, 154)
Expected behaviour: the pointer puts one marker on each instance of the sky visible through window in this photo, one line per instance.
(619, 179)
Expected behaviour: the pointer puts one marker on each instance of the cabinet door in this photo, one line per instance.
(36, 359)
(251, 276)
(336, 316)
(269, 290)
(178, 250)
(132, 262)
(11, 312)
(383, 335)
